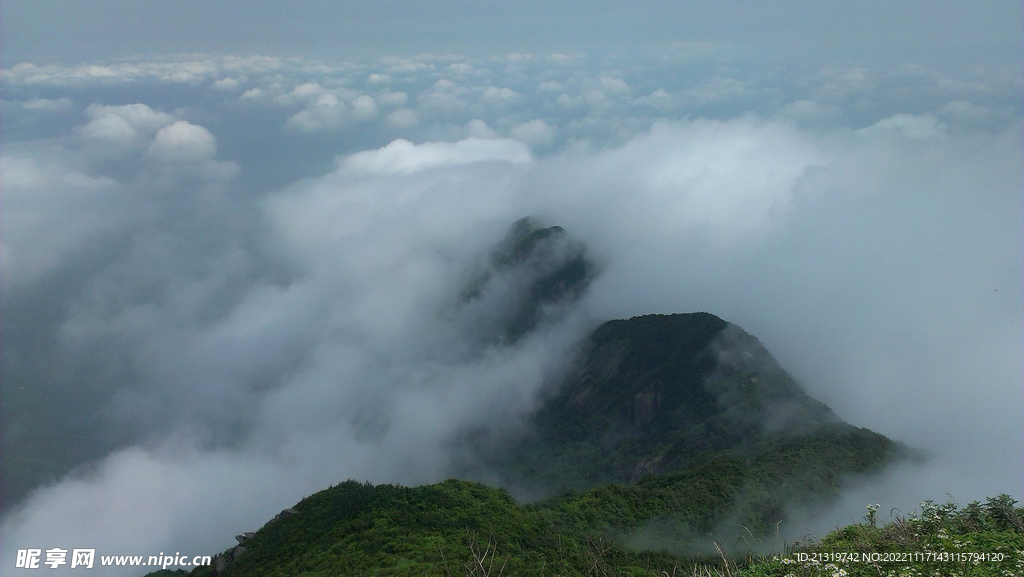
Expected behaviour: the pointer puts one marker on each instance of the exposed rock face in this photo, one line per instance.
(285, 513)
(222, 562)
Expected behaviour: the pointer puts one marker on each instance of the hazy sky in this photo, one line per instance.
(232, 235)
(874, 30)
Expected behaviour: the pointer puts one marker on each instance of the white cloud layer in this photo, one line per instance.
(403, 118)
(364, 108)
(50, 211)
(124, 125)
(535, 132)
(183, 142)
(402, 156)
(48, 104)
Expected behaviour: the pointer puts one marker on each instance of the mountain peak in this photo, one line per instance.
(660, 393)
(532, 274)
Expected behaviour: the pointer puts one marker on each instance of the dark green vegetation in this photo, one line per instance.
(463, 528)
(447, 528)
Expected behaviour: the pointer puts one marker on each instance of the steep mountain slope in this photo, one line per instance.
(661, 393)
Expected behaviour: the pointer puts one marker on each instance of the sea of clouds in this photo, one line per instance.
(227, 281)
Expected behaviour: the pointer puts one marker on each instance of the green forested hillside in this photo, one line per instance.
(463, 528)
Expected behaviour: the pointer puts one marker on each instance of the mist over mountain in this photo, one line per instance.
(239, 270)
(687, 414)
(531, 275)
